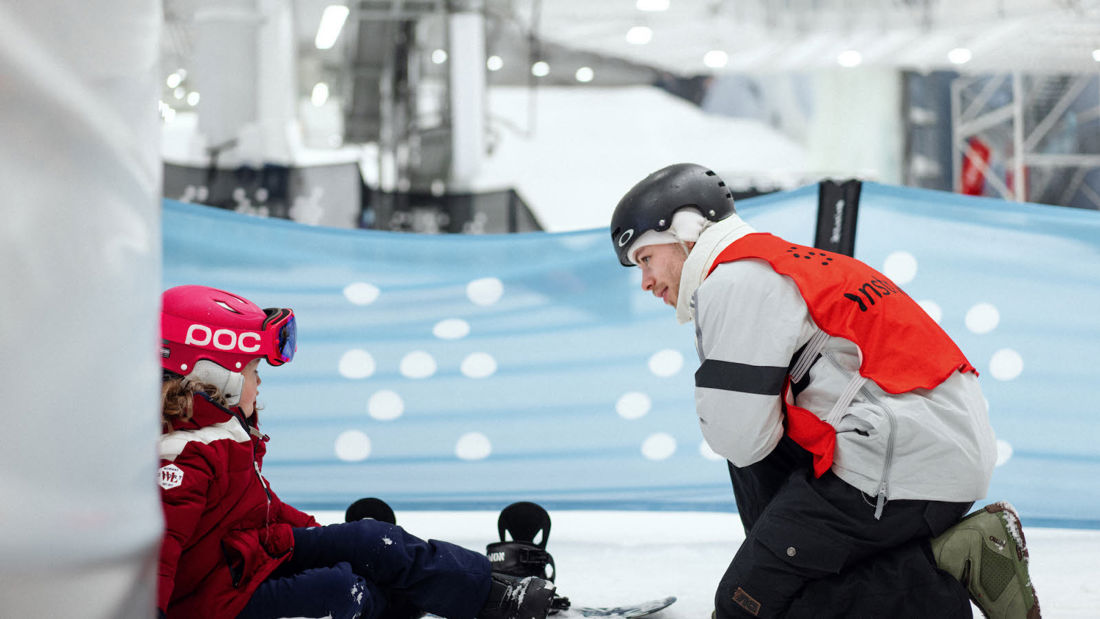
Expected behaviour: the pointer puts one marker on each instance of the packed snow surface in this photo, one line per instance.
(608, 558)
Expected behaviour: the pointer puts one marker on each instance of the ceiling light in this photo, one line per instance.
(652, 5)
(174, 80)
(439, 56)
(959, 55)
(332, 22)
(192, 98)
(849, 58)
(639, 35)
(319, 95)
(494, 63)
(1096, 55)
(716, 59)
(179, 93)
(585, 74)
(540, 69)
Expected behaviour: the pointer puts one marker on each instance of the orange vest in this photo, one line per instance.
(902, 347)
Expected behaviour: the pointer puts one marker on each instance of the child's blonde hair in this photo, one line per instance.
(177, 396)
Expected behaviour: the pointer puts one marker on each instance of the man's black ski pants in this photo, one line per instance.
(813, 548)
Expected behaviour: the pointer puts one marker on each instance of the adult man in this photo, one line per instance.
(854, 427)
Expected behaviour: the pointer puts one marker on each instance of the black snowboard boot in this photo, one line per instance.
(517, 598)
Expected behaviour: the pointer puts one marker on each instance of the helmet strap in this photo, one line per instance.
(229, 383)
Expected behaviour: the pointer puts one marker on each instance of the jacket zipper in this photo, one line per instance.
(880, 503)
(253, 435)
(888, 460)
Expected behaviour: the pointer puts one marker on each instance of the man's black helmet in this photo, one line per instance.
(650, 204)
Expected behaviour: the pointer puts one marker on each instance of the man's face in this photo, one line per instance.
(661, 266)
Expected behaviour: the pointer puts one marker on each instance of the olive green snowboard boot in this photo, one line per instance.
(986, 551)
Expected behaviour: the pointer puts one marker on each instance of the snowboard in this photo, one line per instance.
(644, 609)
(522, 556)
(617, 612)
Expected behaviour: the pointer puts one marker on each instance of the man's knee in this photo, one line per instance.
(756, 584)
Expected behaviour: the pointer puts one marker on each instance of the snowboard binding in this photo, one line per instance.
(522, 555)
(370, 507)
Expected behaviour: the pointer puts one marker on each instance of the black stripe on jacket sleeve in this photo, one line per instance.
(759, 379)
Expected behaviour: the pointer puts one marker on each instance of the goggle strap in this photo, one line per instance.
(274, 316)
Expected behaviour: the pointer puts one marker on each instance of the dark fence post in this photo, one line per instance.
(837, 210)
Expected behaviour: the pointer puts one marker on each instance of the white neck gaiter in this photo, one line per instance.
(711, 242)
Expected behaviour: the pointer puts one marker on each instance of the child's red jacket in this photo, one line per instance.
(225, 529)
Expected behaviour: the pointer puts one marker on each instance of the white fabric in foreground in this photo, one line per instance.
(80, 169)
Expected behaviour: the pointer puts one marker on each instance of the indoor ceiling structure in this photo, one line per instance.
(707, 36)
(389, 73)
(630, 41)
(693, 37)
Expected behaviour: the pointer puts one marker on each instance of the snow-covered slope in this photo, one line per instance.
(608, 558)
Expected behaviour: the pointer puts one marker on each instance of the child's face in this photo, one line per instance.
(251, 388)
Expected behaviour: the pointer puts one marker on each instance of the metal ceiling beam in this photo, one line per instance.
(388, 10)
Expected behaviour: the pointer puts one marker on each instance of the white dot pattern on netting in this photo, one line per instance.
(451, 329)
(1004, 452)
(479, 365)
(633, 405)
(356, 363)
(982, 318)
(485, 291)
(707, 452)
(385, 405)
(353, 446)
(666, 362)
(361, 293)
(932, 309)
(1006, 364)
(900, 267)
(417, 364)
(473, 446)
(659, 446)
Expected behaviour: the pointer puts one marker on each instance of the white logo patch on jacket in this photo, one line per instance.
(171, 476)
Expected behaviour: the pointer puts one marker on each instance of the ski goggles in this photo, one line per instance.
(280, 335)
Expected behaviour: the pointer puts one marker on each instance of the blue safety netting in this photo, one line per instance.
(454, 372)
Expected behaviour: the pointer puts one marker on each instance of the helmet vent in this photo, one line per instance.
(710, 172)
(226, 307)
(721, 183)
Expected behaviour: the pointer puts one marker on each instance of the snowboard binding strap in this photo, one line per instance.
(522, 556)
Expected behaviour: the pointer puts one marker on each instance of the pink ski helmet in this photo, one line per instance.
(199, 322)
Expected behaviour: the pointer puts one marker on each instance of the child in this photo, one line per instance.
(232, 548)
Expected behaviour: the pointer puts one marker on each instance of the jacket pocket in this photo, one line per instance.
(252, 552)
(813, 550)
(239, 548)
